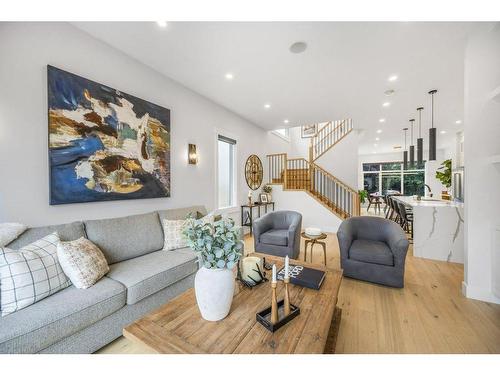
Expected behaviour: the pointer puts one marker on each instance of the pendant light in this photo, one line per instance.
(420, 140)
(412, 146)
(405, 152)
(432, 130)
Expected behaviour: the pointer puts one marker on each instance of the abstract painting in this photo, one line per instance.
(104, 144)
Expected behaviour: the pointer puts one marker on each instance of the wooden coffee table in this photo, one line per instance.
(177, 326)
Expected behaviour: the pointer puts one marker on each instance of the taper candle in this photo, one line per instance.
(274, 273)
(287, 266)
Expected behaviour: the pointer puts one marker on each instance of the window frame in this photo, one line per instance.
(400, 172)
(233, 205)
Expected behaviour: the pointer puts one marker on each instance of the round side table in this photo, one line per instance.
(313, 240)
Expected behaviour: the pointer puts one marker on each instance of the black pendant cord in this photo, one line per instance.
(432, 130)
(420, 140)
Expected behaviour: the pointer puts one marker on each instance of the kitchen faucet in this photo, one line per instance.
(430, 191)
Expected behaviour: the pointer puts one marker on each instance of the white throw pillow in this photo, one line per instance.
(82, 261)
(172, 230)
(30, 274)
(10, 231)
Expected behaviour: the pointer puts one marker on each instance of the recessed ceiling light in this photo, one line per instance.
(379, 131)
(396, 147)
(381, 120)
(377, 139)
(267, 106)
(393, 78)
(443, 131)
(374, 152)
(458, 122)
(229, 76)
(286, 121)
(298, 47)
(162, 23)
(375, 144)
(386, 104)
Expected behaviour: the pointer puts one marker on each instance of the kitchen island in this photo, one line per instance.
(438, 228)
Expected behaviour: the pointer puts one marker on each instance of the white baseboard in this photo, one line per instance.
(480, 294)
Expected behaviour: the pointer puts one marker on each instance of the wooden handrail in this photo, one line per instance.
(329, 136)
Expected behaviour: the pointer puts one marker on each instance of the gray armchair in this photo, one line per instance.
(373, 249)
(278, 233)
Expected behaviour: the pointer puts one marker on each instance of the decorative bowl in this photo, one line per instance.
(313, 232)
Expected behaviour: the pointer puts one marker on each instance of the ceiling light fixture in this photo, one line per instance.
(386, 104)
(389, 92)
(229, 76)
(286, 121)
(381, 120)
(432, 130)
(162, 24)
(405, 152)
(377, 139)
(379, 131)
(298, 47)
(420, 140)
(393, 78)
(375, 144)
(443, 132)
(267, 106)
(412, 146)
(458, 122)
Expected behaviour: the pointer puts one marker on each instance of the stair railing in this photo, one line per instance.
(334, 193)
(276, 168)
(328, 136)
(297, 174)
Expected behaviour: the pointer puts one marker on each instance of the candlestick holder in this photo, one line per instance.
(277, 315)
(274, 304)
(287, 296)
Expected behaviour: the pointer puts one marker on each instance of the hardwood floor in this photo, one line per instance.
(429, 315)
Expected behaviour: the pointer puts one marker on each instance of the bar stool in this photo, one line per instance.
(406, 219)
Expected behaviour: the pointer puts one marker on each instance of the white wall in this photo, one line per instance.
(482, 176)
(27, 48)
(314, 214)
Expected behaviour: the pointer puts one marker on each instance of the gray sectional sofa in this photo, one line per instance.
(142, 277)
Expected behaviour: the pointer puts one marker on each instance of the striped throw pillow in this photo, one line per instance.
(30, 274)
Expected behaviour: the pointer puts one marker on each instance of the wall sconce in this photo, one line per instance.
(192, 155)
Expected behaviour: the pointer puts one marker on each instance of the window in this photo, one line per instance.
(384, 177)
(226, 195)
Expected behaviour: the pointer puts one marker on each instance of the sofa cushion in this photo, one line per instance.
(60, 315)
(66, 232)
(126, 237)
(368, 251)
(278, 237)
(153, 272)
(182, 213)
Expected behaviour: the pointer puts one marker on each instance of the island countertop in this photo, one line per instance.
(427, 202)
(438, 231)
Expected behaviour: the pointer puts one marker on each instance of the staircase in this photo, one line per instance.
(306, 175)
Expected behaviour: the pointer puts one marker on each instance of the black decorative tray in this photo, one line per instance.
(264, 316)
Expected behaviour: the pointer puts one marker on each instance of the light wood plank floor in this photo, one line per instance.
(429, 315)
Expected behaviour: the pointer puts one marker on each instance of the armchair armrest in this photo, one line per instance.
(345, 236)
(398, 243)
(261, 225)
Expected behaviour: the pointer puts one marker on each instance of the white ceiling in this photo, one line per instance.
(343, 73)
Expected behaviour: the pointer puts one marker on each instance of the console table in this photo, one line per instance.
(247, 213)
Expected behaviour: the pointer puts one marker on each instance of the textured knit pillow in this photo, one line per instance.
(10, 231)
(30, 274)
(172, 230)
(82, 261)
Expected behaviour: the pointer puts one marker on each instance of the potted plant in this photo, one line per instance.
(268, 189)
(218, 248)
(443, 173)
(363, 194)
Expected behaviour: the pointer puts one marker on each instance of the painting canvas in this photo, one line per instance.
(309, 131)
(103, 143)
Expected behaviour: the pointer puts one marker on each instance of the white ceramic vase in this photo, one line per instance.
(214, 290)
